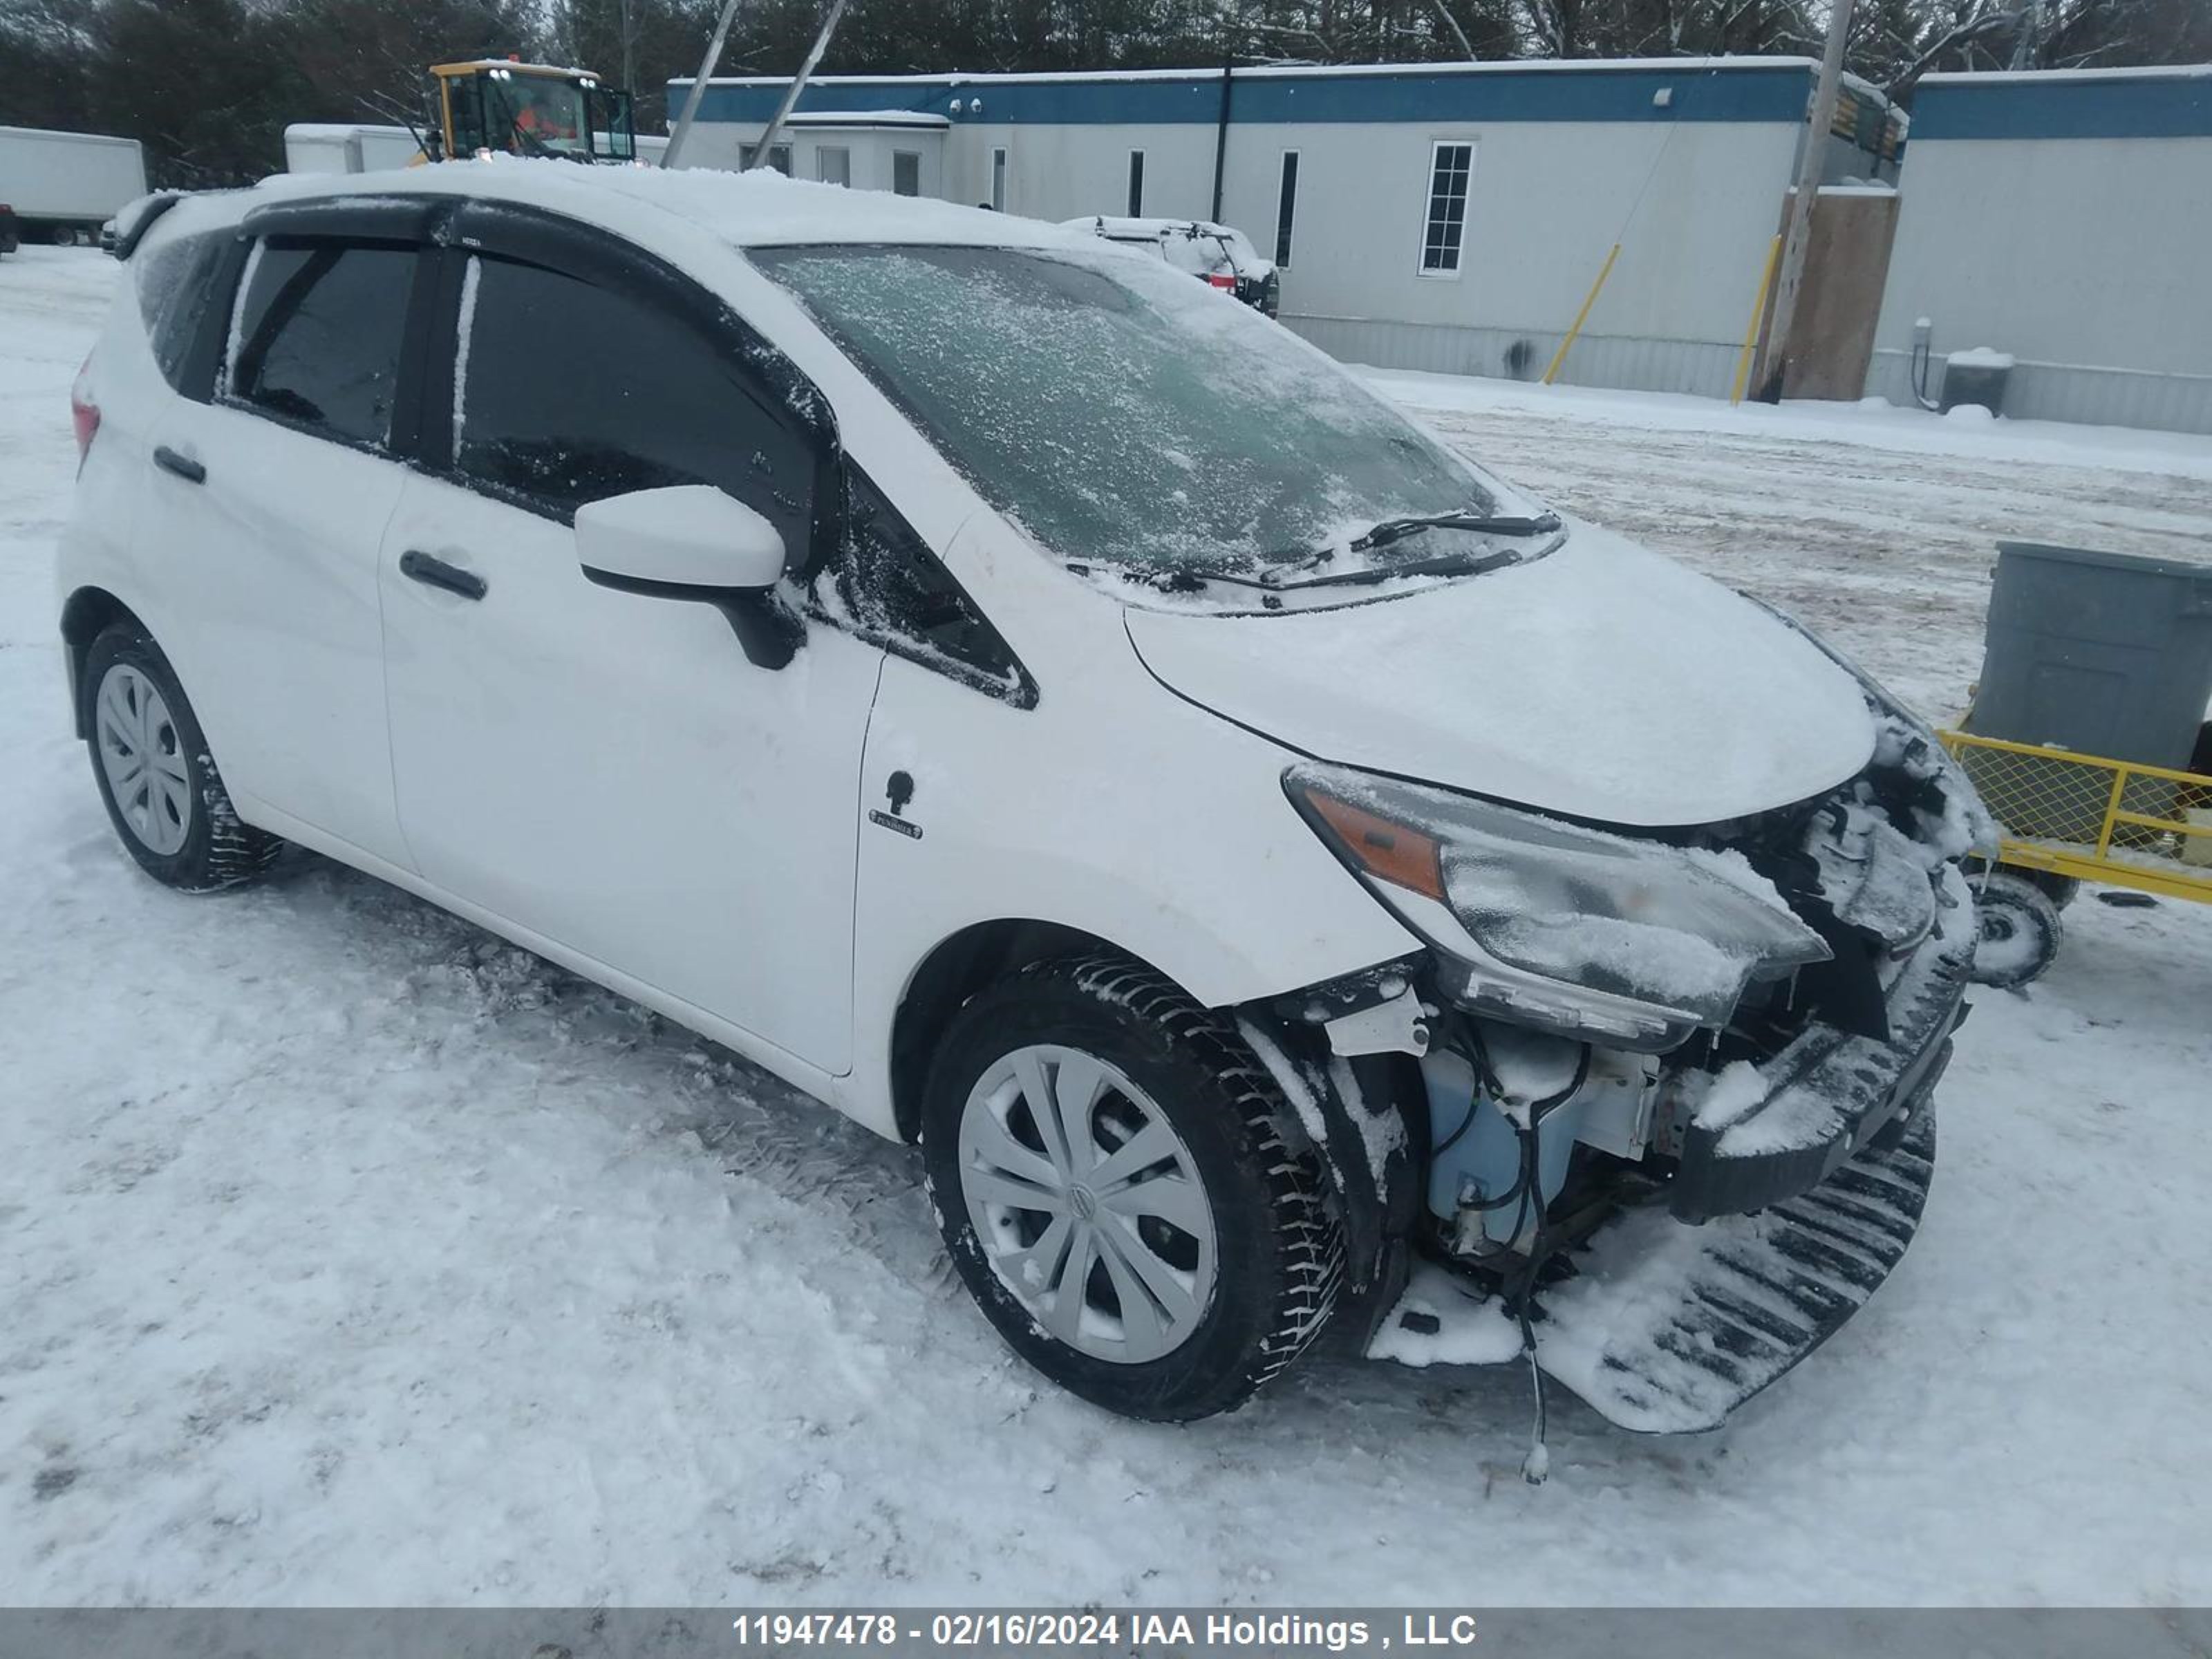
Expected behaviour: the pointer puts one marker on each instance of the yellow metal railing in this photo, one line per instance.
(2148, 827)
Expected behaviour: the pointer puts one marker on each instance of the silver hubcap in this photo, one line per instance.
(1087, 1204)
(144, 763)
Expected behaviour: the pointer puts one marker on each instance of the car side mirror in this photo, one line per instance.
(692, 542)
(690, 536)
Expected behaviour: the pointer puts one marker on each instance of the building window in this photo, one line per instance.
(1450, 166)
(998, 180)
(1136, 183)
(1286, 209)
(833, 164)
(779, 157)
(906, 172)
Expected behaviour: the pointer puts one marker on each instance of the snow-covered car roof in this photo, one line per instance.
(1138, 229)
(1244, 254)
(758, 208)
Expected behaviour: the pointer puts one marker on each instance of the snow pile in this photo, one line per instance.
(1443, 1321)
(1721, 1098)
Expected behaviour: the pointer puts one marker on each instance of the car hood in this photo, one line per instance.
(1602, 682)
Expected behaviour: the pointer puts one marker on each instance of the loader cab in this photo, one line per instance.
(500, 106)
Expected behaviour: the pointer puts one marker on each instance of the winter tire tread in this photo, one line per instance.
(1303, 1269)
(221, 849)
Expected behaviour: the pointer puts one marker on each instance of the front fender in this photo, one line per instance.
(1159, 830)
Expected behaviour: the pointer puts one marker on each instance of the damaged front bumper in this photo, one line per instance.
(1665, 1328)
(1829, 1093)
(1665, 1230)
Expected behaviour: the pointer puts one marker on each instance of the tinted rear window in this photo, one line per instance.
(318, 336)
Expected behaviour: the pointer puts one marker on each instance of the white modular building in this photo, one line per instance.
(2062, 219)
(1449, 217)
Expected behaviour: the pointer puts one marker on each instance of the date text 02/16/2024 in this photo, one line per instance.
(952, 1632)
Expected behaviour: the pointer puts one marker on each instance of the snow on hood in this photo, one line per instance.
(1603, 682)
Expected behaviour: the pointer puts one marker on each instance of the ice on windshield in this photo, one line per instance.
(1120, 413)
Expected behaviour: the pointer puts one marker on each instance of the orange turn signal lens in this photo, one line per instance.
(1389, 851)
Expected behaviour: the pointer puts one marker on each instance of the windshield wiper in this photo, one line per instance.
(1447, 564)
(1279, 578)
(1392, 529)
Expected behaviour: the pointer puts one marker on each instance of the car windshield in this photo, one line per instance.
(1123, 415)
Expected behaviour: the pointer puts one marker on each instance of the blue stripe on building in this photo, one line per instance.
(1698, 92)
(2147, 106)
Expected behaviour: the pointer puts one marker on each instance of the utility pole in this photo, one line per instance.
(1774, 362)
(799, 83)
(1466, 46)
(699, 85)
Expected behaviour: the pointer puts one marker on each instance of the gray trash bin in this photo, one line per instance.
(2103, 653)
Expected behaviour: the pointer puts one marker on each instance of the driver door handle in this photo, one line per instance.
(436, 573)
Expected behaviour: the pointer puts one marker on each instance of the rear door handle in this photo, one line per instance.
(183, 465)
(436, 573)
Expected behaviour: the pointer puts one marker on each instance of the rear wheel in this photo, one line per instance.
(1107, 1167)
(2020, 931)
(156, 778)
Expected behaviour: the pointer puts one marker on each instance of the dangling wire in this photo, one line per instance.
(1525, 1194)
(1537, 1465)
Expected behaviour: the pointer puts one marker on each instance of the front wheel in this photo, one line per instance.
(156, 775)
(1108, 1167)
(2020, 931)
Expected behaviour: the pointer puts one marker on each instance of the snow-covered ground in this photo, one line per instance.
(349, 1256)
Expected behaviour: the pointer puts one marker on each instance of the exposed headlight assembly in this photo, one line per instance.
(1628, 942)
(1962, 824)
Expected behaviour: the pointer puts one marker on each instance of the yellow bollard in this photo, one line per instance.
(1582, 316)
(1758, 311)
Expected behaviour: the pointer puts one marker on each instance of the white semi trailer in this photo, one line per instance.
(349, 147)
(64, 186)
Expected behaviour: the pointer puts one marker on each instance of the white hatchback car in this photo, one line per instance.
(1276, 871)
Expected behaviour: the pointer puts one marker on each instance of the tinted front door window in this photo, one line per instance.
(318, 336)
(569, 393)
